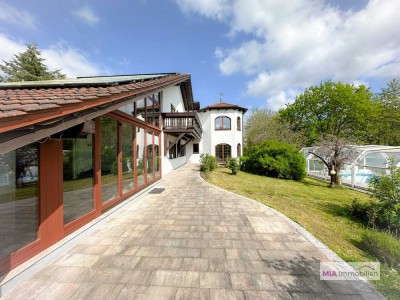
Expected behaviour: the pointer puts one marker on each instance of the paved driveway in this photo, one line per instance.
(192, 241)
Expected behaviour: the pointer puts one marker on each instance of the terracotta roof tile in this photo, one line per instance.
(224, 105)
(27, 97)
(11, 113)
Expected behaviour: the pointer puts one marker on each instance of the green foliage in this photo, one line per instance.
(333, 108)
(275, 159)
(264, 125)
(386, 187)
(108, 160)
(233, 165)
(377, 215)
(384, 125)
(207, 163)
(140, 167)
(28, 66)
(382, 245)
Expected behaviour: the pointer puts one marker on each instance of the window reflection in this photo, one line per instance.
(109, 162)
(128, 132)
(149, 157)
(77, 177)
(19, 176)
(157, 154)
(140, 157)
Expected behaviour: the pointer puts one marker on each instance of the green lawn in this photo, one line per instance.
(321, 210)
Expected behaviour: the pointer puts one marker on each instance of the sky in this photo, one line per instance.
(253, 53)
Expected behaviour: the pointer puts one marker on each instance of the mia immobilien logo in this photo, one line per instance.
(350, 271)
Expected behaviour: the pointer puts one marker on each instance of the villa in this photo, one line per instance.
(72, 149)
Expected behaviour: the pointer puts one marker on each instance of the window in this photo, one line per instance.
(78, 177)
(19, 219)
(109, 159)
(223, 123)
(195, 148)
(239, 124)
(239, 150)
(222, 152)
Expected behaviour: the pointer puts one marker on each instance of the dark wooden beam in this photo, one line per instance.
(175, 141)
(184, 145)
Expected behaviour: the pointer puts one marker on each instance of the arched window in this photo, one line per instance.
(222, 152)
(223, 123)
(239, 150)
(239, 124)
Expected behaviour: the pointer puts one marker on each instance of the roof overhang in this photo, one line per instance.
(17, 131)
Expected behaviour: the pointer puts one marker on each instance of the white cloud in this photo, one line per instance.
(9, 48)
(72, 62)
(87, 15)
(216, 9)
(287, 47)
(12, 15)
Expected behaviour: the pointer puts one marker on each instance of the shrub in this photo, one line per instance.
(275, 159)
(207, 163)
(377, 215)
(386, 188)
(233, 165)
(243, 161)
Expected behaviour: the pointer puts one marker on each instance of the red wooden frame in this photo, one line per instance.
(222, 117)
(51, 219)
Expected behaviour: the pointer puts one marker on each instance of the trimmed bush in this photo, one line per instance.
(275, 159)
(233, 165)
(207, 163)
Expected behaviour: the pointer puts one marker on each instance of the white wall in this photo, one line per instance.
(212, 137)
(171, 164)
(172, 95)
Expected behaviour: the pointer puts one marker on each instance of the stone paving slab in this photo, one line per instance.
(193, 241)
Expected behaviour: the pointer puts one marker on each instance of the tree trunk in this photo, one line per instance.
(335, 180)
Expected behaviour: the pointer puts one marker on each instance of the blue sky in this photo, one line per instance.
(258, 53)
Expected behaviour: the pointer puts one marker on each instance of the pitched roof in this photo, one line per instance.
(25, 101)
(223, 105)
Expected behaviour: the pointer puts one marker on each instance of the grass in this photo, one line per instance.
(322, 211)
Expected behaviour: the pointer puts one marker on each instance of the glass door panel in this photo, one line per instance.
(149, 155)
(19, 177)
(128, 132)
(109, 159)
(157, 154)
(140, 136)
(77, 177)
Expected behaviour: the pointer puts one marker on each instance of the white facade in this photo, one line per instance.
(214, 140)
(213, 137)
(172, 96)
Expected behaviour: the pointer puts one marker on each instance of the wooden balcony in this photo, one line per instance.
(187, 123)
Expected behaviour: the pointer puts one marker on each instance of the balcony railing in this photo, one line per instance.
(185, 122)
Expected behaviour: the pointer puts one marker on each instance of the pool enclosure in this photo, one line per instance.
(366, 161)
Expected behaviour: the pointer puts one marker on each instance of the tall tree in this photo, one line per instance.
(28, 66)
(390, 115)
(331, 108)
(263, 125)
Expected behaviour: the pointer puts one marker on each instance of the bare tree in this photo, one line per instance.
(334, 152)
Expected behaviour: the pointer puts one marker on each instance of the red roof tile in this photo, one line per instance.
(223, 105)
(28, 97)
